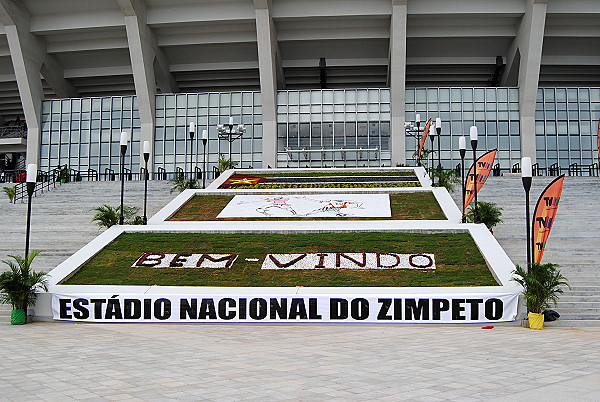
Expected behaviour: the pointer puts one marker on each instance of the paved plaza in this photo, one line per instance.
(65, 361)
(59, 362)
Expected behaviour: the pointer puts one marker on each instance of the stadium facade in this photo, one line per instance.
(315, 82)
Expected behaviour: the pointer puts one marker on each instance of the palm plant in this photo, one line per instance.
(541, 285)
(19, 285)
(445, 178)
(487, 213)
(180, 183)
(107, 216)
(225, 163)
(423, 157)
(11, 192)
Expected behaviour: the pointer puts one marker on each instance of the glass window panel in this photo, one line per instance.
(304, 98)
(361, 96)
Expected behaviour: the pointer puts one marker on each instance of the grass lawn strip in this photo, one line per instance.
(457, 259)
(405, 206)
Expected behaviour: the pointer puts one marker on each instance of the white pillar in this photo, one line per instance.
(30, 60)
(397, 80)
(143, 52)
(269, 67)
(528, 44)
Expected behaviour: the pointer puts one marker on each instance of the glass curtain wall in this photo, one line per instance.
(495, 112)
(85, 133)
(172, 145)
(567, 126)
(329, 127)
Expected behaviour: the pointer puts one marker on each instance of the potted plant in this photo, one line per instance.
(63, 174)
(11, 193)
(487, 213)
(18, 286)
(541, 287)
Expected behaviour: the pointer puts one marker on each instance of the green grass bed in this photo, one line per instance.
(458, 260)
(405, 206)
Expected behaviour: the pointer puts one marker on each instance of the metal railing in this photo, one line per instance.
(536, 169)
(574, 169)
(13, 131)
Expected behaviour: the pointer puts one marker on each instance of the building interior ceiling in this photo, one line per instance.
(212, 45)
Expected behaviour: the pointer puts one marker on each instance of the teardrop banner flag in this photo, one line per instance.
(423, 138)
(543, 217)
(484, 166)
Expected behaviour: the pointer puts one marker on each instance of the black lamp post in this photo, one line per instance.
(192, 132)
(432, 136)
(438, 129)
(31, 179)
(462, 146)
(146, 174)
(204, 142)
(414, 130)
(473, 135)
(526, 176)
(124, 140)
(230, 133)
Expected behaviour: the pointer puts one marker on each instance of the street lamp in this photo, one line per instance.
(124, 140)
(432, 136)
(31, 179)
(204, 142)
(192, 131)
(473, 135)
(230, 133)
(462, 146)
(146, 174)
(414, 130)
(438, 129)
(526, 174)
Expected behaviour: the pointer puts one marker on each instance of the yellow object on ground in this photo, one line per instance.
(536, 320)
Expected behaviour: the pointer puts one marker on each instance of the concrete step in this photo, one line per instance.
(569, 298)
(579, 316)
(578, 304)
(573, 323)
(588, 289)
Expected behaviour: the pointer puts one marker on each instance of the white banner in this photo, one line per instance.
(391, 308)
(314, 205)
(349, 261)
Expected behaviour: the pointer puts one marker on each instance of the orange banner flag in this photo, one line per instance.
(485, 163)
(543, 217)
(423, 138)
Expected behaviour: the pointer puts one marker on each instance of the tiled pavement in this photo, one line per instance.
(60, 362)
(50, 361)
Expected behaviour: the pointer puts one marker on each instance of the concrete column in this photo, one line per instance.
(27, 73)
(30, 60)
(142, 65)
(397, 80)
(528, 52)
(268, 69)
(145, 55)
